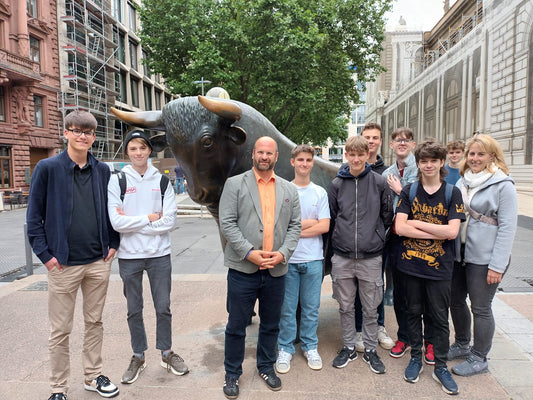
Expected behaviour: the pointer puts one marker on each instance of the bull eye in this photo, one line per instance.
(206, 141)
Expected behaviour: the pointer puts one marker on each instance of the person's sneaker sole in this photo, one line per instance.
(141, 369)
(442, 386)
(103, 394)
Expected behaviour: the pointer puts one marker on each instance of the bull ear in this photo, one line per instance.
(237, 135)
(223, 108)
(159, 142)
(143, 119)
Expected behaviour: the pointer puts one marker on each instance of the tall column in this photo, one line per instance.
(463, 117)
(468, 123)
(21, 28)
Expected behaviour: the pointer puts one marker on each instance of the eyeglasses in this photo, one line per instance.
(401, 141)
(79, 132)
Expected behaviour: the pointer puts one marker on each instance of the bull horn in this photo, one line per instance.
(142, 119)
(224, 109)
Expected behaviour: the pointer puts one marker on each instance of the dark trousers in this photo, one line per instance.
(471, 279)
(243, 291)
(432, 298)
(399, 293)
(159, 270)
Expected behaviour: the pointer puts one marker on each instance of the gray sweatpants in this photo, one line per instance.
(349, 275)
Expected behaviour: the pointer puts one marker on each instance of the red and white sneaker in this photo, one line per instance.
(429, 356)
(399, 349)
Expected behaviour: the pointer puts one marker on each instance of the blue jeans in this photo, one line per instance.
(243, 291)
(303, 282)
(180, 185)
(159, 271)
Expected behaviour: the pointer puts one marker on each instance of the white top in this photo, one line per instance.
(140, 238)
(314, 205)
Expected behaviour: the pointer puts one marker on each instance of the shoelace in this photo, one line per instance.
(313, 356)
(102, 381)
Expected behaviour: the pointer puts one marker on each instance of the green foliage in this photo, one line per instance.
(293, 60)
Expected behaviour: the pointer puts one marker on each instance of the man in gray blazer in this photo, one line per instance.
(260, 219)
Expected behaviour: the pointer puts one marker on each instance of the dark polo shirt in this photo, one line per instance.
(83, 238)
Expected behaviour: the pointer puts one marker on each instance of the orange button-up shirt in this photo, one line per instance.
(267, 195)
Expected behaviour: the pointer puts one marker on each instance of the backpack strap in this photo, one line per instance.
(122, 183)
(163, 184)
(448, 194)
(412, 191)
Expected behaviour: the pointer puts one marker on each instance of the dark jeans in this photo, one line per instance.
(471, 279)
(432, 298)
(159, 271)
(399, 293)
(243, 291)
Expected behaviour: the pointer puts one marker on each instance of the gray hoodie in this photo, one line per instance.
(490, 244)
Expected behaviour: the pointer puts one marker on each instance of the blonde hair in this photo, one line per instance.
(489, 145)
(356, 143)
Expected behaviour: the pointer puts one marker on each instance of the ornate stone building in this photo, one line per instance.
(29, 83)
(472, 73)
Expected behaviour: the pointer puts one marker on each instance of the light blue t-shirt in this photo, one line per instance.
(314, 205)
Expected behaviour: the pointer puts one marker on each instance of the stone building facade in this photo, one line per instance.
(29, 83)
(473, 73)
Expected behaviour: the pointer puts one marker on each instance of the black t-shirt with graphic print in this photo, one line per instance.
(429, 258)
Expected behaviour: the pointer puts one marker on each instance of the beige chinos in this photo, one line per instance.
(62, 290)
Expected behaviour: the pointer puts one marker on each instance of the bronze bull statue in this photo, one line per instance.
(212, 139)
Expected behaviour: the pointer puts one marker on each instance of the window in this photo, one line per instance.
(133, 54)
(122, 48)
(5, 167)
(123, 86)
(2, 104)
(118, 10)
(134, 92)
(34, 49)
(32, 7)
(158, 100)
(147, 89)
(132, 17)
(145, 63)
(38, 110)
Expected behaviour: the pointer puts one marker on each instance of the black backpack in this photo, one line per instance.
(122, 182)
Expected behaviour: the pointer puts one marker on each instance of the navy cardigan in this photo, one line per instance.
(50, 207)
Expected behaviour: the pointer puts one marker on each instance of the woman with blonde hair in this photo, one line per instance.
(483, 250)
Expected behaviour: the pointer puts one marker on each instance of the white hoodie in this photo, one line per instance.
(140, 238)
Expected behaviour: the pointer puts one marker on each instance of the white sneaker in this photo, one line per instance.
(313, 359)
(384, 340)
(283, 363)
(359, 345)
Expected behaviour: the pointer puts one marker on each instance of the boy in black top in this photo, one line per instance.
(428, 222)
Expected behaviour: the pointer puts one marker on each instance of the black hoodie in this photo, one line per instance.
(361, 211)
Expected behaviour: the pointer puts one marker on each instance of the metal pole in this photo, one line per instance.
(29, 257)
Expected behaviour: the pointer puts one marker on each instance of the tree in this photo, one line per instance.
(293, 60)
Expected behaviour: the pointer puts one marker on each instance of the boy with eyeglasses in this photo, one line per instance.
(70, 232)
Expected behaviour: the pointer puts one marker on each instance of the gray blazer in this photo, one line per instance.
(241, 222)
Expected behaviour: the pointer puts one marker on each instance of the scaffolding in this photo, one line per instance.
(88, 45)
(455, 35)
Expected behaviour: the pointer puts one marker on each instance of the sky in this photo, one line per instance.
(419, 14)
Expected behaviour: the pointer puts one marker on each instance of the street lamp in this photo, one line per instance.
(202, 82)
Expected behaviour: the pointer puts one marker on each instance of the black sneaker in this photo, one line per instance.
(231, 387)
(413, 370)
(103, 386)
(344, 357)
(443, 376)
(58, 396)
(373, 360)
(271, 379)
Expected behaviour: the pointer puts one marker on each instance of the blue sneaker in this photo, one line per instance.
(443, 376)
(413, 370)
